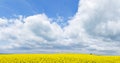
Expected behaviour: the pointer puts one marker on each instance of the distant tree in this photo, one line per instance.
(91, 54)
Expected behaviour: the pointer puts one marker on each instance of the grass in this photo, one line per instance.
(57, 58)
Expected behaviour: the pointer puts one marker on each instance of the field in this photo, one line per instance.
(57, 58)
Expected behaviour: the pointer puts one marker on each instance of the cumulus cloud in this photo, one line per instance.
(98, 24)
(93, 29)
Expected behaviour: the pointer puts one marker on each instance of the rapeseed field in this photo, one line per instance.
(57, 58)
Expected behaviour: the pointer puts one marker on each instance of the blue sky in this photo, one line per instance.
(52, 8)
(46, 26)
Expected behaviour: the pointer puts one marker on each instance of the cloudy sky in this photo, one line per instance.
(48, 26)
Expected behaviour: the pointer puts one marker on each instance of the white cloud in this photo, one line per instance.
(41, 26)
(109, 29)
(94, 28)
(96, 24)
(3, 22)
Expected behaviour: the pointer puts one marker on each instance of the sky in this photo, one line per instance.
(55, 9)
(54, 26)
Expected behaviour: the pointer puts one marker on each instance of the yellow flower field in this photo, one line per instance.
(57, 58)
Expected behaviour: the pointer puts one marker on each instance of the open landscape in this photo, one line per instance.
(59, 31)
(57, 58)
